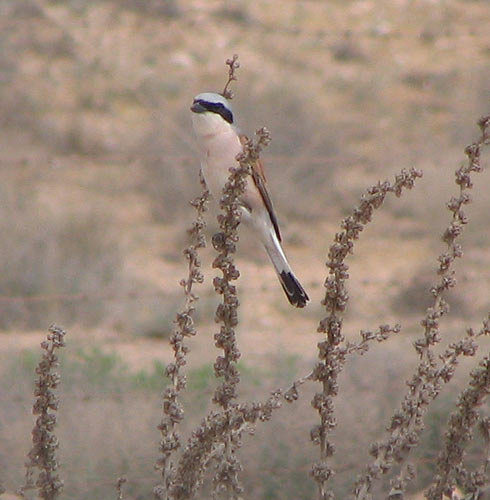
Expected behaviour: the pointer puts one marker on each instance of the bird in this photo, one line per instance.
(219, 142)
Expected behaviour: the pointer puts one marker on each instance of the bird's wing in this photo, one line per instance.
(258, 177)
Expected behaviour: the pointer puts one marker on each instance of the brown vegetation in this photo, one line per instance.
(96, 170)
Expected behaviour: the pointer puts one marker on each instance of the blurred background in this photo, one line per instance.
(97, 168)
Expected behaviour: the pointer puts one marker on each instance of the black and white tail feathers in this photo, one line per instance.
(290, 284)
(293, 289)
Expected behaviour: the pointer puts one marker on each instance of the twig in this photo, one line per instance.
(233, 65)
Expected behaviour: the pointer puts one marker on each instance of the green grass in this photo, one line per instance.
(100, 369)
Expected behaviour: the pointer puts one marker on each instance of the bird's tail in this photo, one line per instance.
(290, 284)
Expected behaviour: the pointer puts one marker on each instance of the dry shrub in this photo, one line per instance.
(219, 437)
(216, 441)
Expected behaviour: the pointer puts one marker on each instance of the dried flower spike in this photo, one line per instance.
(173, 412)
(407, 422)
(233, 65)
(119, 487)
(331, 353)
(228, 467)
(44, 442)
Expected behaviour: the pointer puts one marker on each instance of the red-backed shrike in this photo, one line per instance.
(219, 143)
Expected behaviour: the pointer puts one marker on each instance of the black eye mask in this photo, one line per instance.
(201, 106)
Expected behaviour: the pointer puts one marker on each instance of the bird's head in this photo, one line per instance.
(210, 113)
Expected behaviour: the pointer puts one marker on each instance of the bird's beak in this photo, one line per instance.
(197, 107)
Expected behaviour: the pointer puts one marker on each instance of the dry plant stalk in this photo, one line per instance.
(44, 442)
(173, 412)
(219, 435)
(206, 441)
(331, 353)
(224, 242)
(119, 487)
(450, 468)
(407, 422)
(233, 65)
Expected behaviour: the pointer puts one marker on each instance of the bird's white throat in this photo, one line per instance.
(206, 124)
